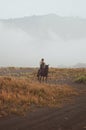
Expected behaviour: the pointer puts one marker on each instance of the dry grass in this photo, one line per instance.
(65, 73)
(17, 95)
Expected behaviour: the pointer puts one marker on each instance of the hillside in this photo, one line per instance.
(60, 40)
(50, 26)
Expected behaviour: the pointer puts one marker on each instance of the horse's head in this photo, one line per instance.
(46, 67)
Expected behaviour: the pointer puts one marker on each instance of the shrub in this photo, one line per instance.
(81, 79)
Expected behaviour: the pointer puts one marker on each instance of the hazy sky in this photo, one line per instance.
(21, 8)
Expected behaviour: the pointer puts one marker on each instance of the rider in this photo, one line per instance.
(42, 64)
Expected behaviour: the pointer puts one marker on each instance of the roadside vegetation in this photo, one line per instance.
(81, 79)
(19, 94)
(20, 90)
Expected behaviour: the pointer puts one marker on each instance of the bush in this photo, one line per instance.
(81, 79)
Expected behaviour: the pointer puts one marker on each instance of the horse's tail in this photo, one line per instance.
(38, 73)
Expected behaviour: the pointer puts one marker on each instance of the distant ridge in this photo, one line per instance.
(44, 26)
(80, 65)
(59, 40)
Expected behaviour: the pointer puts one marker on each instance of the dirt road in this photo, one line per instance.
(70, 117)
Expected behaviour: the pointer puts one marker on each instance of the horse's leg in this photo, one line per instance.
(46, 79)
(43, 78)
(38, 74)
(40, 79)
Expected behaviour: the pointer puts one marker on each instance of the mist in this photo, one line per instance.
(16, 48)
(21, 48)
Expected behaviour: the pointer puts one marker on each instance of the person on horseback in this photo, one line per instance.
(42, 71)
(42, 64)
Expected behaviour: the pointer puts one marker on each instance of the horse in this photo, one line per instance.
(43, 73)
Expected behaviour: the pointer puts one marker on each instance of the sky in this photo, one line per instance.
(21, 8)
(18, 48)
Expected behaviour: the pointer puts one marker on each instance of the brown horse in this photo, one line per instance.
(43, 73)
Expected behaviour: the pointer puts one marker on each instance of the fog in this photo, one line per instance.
(15, 47)
(19, 48)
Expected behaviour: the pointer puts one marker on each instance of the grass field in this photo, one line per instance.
(20, 90)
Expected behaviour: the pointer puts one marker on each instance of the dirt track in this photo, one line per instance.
(70, 117)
